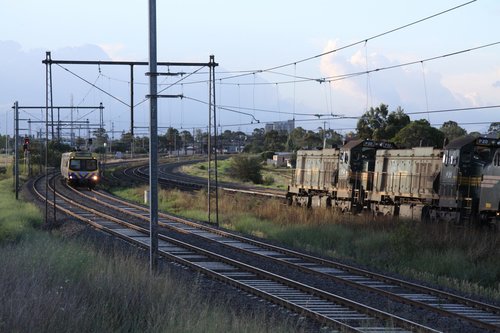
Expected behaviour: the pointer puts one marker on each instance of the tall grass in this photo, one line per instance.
(50, 284)
(466, 259)
(16, 217)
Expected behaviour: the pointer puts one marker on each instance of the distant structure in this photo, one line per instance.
(287, 125)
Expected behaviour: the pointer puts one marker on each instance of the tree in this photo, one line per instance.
(101, 136)
(494, 128)
(379, 124)
(275, 140)
(256, 141)
(451, 130)
(419, 133)
(173, 139)
(295, 139)
(372, 121)
(396, 120)
(246, 169)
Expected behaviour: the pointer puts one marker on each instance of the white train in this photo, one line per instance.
(80, 168)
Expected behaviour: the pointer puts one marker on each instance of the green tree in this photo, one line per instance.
(275, 140)
(378, 124)
(256, 141)
(451, 130)
(372, 121)
(419, 133)
(295, 139)
(173, 139)
(246, 168)
(396, 120)
(494, 128)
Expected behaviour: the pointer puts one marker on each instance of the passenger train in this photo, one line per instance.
(80, 168)
(459, 184)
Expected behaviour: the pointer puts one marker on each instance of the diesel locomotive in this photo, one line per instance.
(459, 184)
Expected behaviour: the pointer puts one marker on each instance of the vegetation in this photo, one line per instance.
(378, 124)
(270, 175)
(419, 133)
(16, 217)
(69, 280)
(246, 168)
(465, 259)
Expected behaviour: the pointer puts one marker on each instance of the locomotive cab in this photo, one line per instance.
(356, 166)
(461, 172)
(489, 202)
(80, 168)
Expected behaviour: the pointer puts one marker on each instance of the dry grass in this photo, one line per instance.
(463, 258)
(54, 285)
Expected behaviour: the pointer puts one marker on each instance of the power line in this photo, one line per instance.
(93, 85)
(334, 78)
(352, 44)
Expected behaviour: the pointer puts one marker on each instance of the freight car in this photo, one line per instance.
(80, 168)
(460, 183)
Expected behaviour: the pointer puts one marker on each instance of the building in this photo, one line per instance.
(281, 159)
(286, 126)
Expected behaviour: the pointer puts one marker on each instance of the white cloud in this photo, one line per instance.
(414, 88)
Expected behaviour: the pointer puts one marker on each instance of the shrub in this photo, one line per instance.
(246, 169)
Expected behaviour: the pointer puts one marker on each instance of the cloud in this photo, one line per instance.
(414, 88)
(496, 84)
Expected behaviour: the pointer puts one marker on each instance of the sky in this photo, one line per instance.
(374, 54)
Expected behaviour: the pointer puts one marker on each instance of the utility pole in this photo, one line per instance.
(16, 150)
(153, 140)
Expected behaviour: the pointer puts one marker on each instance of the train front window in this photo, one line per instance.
(83, 165)
(90, 165)
(74, 164)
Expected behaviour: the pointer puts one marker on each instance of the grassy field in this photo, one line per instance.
(273, 177)
(71, 280)
(466, 259)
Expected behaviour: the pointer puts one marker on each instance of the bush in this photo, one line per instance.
(267, 155)
(268, 180)
(246, 169)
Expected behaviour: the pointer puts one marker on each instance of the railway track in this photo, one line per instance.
(338, 312)
(436, 303)
(168, 177)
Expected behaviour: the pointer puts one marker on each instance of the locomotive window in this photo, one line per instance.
(466, 156)
(445, 158)
(74, 164)
(90, 165)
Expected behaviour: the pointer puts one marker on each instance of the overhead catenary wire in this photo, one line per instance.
(93, 85)
(340, 77)
(294, 63)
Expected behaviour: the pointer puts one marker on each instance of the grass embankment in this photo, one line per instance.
(54, 283)
(272, 177)
(466, 259)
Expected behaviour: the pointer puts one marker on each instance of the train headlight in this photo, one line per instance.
(71, 177)
(95, 178)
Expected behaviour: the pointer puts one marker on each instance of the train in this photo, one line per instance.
(459, 183)
(80, 168)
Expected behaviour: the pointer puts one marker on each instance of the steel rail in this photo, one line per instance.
(320, 305)
(479, 314)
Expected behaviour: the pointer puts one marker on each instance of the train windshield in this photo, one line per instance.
(83, 165)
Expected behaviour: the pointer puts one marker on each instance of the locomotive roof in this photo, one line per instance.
(460, 142)
(352, 144)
